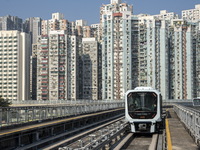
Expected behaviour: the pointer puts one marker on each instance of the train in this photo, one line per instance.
(143, 110)
(196, 101)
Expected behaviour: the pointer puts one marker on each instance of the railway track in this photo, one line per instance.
(97, 138)
(112, 136)
(109, 134)
(141, 142)
(40, 135)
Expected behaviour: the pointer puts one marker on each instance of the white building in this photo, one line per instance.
(116, 49)
(81, 23)
(181, 77)
(192, 14)
(153, 56)
(165, 15)
(14, 65)
(57, 16)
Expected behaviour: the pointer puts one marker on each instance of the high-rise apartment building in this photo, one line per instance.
(14, 63)
(58, 66)
(81, 23)
(196, 61)
(89, 31)
(11, 23)
(43, 68)
(192, 14)
(33, 26)
(74, 75)
(58, 16)
(56, 23)
(165, 15)
(181, 59)
(33, 72)
(90, 61)
(150, 53)
(52, 66)
(116, 49)
(96, 31)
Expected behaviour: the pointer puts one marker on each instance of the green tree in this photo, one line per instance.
(4, 102)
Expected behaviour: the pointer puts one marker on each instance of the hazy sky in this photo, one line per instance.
(86, 9)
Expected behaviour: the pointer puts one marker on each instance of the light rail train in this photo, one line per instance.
(196, 101)
(143, 109)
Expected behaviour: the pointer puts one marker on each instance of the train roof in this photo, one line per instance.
(144, 88)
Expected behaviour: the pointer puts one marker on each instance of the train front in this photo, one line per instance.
(143, 109)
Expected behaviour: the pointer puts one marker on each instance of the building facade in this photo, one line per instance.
(90, 60)
(150, 53)
(116, 49)
(192, 14)
(181, 59)
(56, 23)
(52, 66)
(11, 23)
(33, 27)
(14, 63)
(33, 72)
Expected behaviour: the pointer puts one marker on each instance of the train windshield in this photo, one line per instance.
(142, 101)
(196, 102)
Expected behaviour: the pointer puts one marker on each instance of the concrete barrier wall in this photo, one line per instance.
(191, 119)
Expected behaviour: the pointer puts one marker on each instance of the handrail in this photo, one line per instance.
(19, 115)
(191, 119)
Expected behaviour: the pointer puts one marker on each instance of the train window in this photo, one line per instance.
(142, 101)
(196, 102)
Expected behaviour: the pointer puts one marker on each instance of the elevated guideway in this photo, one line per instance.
(183, 126)
(182, 122)
(180, 138)
(25, 113)
(36, 136)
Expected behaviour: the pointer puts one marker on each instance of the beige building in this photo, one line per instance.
(14, 65)
(56, 23)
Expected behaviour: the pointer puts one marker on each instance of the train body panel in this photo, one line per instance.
(143, 109)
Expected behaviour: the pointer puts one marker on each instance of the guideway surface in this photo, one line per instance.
(180, 138)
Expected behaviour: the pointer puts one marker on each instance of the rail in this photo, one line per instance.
(57, 102)
(19, 115)
(31, 110)
(141, 141)
(73, 102)
(191, 119)
(101, 137)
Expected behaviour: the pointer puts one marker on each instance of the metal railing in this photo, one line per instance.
(57, 102)
(191, 119)
(61, 102)
(31, 110)
(177, 101)
(24, 114)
